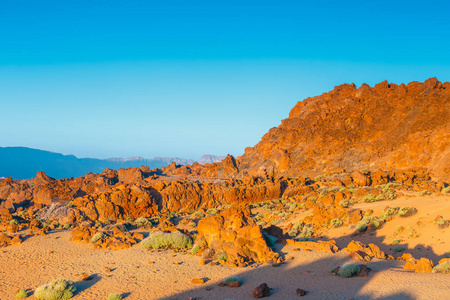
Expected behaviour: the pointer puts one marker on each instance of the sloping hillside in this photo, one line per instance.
(387, 126)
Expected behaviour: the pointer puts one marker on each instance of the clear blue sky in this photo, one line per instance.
(184, 78)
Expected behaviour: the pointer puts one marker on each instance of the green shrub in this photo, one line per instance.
(98, 236)
(399, 249)
(407, 211)
(442, 223)
(370, 220)
(389, 212)
(302, 230)
(199, 215)
(193, 224)
(380, 197)
(229, 279)
(114, 297)
(395, 242)
(66, 226)
(442, 268)
(22, 294)
(369, 198)
(13, 221)
(212, 211)
(143, 223)
(307, 231)
(58, 289)
(344, 203)
(446, 190)
(353, 190)
(424, 193)
(160, 239)
(292, 206)
(343, 189)
(195, 250)
(391, 195)
(223, 256)
(336, 222)
(393, 185)
(348, 270)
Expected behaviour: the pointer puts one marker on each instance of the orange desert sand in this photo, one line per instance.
(138, 273)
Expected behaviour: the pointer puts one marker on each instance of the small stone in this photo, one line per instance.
(85, 277)
(202, 262)
(234, 283)
(301, 292)
(261, 291)
(197, 281)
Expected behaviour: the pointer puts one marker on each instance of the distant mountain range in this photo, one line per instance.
(23, 163)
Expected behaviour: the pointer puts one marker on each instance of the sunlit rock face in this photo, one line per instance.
(387, 126)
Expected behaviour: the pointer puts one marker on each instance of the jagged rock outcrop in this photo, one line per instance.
(119, 202)
(235, 233)
(387, 126)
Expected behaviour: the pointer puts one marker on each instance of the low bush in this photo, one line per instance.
(344, 203)
(195, 250)
(58, 289)
(192, 224)
(442, 268)
(114, 297)
(199, 215)
(160, 239)
(407, 211)
(232, 279)
(369, 221)
(212, 211)
(442, 223)
(348, 270)
(22, 294)
(389, 212)
(223, 256)
(143, 223)
(424, 193)
(446, 190)
(369, 198)
(399, 249)
(336, 222)
(98, 236)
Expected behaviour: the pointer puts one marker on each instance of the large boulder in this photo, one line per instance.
(235, 233)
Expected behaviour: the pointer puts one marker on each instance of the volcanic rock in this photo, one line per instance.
(261, 291)
(235, 233)
(359, 128)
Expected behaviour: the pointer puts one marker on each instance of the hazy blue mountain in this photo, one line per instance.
(209, 159)
(23, 163)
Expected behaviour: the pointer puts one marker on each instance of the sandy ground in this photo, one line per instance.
(41, 259)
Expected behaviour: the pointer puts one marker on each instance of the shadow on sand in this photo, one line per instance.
(314, 276)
